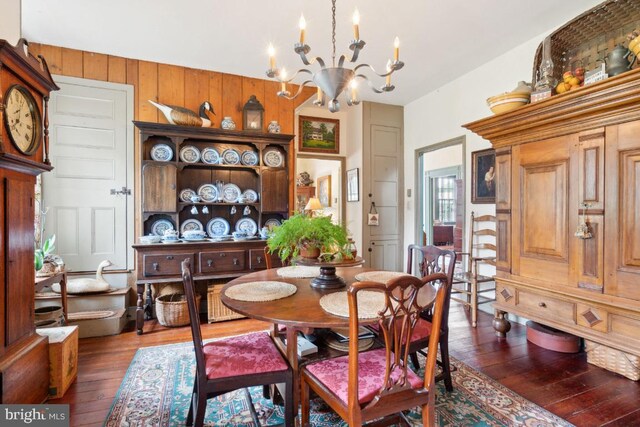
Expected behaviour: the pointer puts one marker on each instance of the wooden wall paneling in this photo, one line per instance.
(215, 96)
(255, 87)
(117, 69)
(232, 98)
(170, 86)
(72, 62)
(271, 107)
(286, 112)
(52, 54)
(196, 88)
(95, 66)
(147, 89)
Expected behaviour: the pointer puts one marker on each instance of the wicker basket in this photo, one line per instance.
(587, 38)
(614, 360)
(217, 311)
(172, 309)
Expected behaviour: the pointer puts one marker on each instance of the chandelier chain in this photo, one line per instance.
(333, 31)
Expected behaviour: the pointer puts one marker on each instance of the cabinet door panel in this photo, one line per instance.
(275, 190)
(159, 188)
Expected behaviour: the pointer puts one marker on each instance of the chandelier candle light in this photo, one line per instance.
(332, 81)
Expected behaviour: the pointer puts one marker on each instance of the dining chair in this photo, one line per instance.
(377, 384)
(232, 363)
(431, 259)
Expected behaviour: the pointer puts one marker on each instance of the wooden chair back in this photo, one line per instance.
(479, 244)
(194, 318)
(435, 260)
(396, 322)
(269, 261)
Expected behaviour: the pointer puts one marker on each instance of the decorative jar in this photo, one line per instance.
(227, 123)
(274, 127)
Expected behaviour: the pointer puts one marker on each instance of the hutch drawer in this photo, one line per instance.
(215, 261)
(164, 264)
(256, 259)
(546, 307)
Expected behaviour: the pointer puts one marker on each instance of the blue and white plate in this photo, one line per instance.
(250, 196)
(270, 223)
(230, 193)
(248, 226)
(249, 158)
(191, 224)
(208, 193)
(161, 153)
(230, 156)
(187, 194)
(273, 158)
(160, 226)
(210, 156)
(218, 228)
(189, 154)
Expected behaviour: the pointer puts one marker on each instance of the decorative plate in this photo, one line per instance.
(230, 156)
(273, 158)
(218, 228)
(210, 156)
(230, 193)
(248, 226)
(161, 153)
(187, 194)
(189, 154)
(208, 193)
(270, 223)
(190, 224)
(251, 196)
(249, 158)
(160, 226)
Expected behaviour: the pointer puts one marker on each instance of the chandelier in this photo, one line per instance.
(335, 79)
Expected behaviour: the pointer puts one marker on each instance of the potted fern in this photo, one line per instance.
(306, 236)
(45, 262)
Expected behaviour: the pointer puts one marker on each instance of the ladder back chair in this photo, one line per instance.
(432, 259)
(379, 383)
(232, 363)
(469, 283)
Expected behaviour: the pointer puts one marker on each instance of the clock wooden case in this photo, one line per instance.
(25, 84)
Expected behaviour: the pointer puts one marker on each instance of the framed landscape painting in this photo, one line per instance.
(483, 174)
(318, 135)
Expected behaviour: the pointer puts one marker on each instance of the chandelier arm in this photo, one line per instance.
(300, 71)
(372, 86)
(302, 85)
(388, 73)
(305, 61)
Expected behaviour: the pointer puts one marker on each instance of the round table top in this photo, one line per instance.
(358, 261)
(301, 309)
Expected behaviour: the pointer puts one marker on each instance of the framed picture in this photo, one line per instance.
(483, 174)
(318, 135)
(323, 185)
(353, 185)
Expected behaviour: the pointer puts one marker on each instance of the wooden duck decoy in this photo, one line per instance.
(184, 117)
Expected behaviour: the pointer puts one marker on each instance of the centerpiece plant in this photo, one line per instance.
(306, 236)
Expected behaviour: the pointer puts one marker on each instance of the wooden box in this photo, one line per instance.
(216, 311)
(613, 360)
(63, 358)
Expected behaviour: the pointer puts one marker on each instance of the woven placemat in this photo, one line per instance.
(298, 272)
(364, 344)
(379, 276)
(370, 303)
(90, 315)
(260, 291)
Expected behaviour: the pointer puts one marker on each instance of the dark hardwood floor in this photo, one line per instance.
(565, 384)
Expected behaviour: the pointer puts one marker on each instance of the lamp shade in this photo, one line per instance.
(313, 204)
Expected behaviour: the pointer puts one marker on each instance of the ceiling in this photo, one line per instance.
(439, 39)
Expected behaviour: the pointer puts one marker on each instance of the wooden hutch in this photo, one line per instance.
(25, 84)
(162, 182)
(551, 157)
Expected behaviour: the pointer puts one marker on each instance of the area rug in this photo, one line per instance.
(156, 389)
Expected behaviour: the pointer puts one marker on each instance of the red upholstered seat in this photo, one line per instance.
(334, 374)
(421, 330)
(242, 355)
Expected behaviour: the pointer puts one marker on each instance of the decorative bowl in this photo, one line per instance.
(508, 101)
(152, 238)
(194, 234)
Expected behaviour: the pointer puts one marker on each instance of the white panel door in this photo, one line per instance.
(89, 137)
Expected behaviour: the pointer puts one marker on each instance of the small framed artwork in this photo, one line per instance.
(323, 184)
(483, 174)
(318, 135)
(353, 185)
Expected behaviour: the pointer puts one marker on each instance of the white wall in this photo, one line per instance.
(442, 158)
(10, 18)
(354, 160)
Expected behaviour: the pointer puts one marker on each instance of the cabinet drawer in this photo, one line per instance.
(219, 261)
(164, 264)
(256, 259)
(547, 307)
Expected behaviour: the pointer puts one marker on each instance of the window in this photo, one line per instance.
(444, 199)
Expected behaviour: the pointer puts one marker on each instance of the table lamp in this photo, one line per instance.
(312, 205)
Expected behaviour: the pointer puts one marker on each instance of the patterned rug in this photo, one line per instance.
(157, 387)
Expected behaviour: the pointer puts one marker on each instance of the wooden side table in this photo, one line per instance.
(61, 278)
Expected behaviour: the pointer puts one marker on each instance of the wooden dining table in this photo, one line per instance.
(299, 312)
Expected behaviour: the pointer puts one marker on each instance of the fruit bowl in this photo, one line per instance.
(508, 101)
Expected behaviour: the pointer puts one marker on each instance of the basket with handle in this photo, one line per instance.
(172, 309)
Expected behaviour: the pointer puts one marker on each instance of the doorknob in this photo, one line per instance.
(124, 191)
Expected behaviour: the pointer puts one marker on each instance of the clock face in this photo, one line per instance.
(22, 119)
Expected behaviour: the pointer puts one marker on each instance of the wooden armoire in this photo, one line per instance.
(552, 157)
(25, 84)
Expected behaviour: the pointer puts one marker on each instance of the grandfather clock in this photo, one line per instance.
(25, 84)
